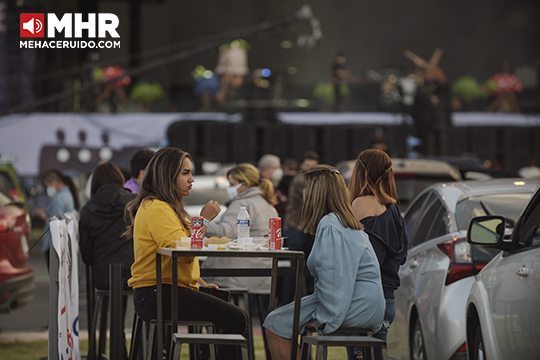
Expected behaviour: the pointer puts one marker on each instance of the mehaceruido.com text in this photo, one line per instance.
(69, 44)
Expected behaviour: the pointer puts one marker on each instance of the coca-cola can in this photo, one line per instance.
(275, 234)
(197, 232)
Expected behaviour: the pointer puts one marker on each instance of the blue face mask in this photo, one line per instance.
(233, 190)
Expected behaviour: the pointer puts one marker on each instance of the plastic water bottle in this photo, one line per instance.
(243, 223)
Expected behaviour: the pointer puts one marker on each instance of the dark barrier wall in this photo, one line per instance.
(247, 142)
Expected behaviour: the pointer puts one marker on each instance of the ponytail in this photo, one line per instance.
(267, 189)
(73, 189)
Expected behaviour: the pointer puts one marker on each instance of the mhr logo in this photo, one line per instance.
(33, 25)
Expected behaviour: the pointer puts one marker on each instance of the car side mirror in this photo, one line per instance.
(486, 230)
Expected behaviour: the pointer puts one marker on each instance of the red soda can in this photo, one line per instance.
(275, 234)
(197, 233)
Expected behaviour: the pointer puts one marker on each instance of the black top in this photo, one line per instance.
(390, 241)
(100, 233)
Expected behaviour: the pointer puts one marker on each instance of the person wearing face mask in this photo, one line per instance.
(257, 195)
(63, 192)
(270, 168)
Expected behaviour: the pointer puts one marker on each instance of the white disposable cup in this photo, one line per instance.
(184, 242)
(246, 241)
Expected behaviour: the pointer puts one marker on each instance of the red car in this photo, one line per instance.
(16, 273)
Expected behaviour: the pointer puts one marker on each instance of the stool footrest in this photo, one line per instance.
(344, 341)
(218, 339)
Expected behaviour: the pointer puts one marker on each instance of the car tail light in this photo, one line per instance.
(461, 264)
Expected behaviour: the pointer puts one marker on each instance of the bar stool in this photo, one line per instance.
(210, 339)
(144, 333)
(322, 342)
(342, 331)
(98, 310)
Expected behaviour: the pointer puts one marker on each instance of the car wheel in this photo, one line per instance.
(418, 350)
(478, 349)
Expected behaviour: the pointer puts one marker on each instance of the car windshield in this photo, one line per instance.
(5, 200)
(203, 195)
(408, 187)
(508, 205)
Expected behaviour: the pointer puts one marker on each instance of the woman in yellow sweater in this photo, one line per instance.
(157, 218)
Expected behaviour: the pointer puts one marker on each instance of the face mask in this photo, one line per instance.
(277, 175)
(233, 190)
(51, 191)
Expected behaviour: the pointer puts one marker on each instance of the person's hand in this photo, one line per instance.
(408, 53)
(210, 210)
(439, 51)
(213, 286)
(41, 213)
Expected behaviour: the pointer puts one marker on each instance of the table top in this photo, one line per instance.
(283, 254)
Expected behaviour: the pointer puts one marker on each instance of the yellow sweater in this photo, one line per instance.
(157, 225)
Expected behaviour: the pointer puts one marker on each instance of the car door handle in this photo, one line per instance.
(414, 264)
(523, 272)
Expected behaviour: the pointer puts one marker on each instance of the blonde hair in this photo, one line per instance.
(325, 192)
(373, 175)
(247, 173)
(159, 182)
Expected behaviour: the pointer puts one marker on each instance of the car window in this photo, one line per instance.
(508, 205)
(529, 233)
(441, 223)
(5, 199)
(6, 185)
(431, 217)
(413, 213)
(409, 187)
(201, 196)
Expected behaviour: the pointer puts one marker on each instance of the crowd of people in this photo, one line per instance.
(353, 233)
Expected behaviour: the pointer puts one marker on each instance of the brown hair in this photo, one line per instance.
(373, 175)
(325, 192)
(249, 174)
(159, 182)
(106, 173)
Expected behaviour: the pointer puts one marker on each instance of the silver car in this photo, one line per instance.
(206, 188)
(411, 175)
(503, 311)
(440, 266)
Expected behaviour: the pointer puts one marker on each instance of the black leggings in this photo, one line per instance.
(198, 306)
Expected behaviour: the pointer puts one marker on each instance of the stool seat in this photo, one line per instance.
(148, 340)
(337, 340)
(209, 339)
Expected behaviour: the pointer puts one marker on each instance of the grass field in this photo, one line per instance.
(35, 350)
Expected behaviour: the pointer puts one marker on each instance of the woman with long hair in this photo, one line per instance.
(158, 217)
(348, 290)
(63, 192)
(102, 224)
(373, 196)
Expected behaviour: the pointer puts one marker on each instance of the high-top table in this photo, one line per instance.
(174, 253)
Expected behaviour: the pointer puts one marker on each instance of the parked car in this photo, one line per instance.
(10, 183)
(412, 176)
(206, 188)
(16, 273)
(472, 168)
(440, 266)
(503, 313)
